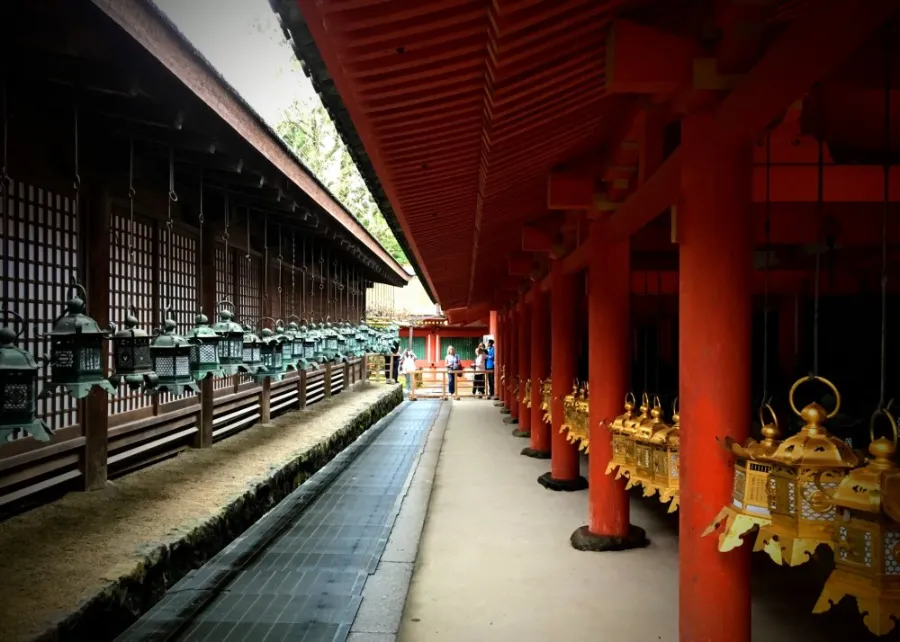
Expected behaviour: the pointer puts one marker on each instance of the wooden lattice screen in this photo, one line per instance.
(224, 290)
(38, 259)
(131, 279)
(178, 269)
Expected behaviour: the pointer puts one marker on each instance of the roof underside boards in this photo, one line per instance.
(152, 30)
(464, 107)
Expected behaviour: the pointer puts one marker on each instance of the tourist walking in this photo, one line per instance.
(478, 385)
(489, 366)
(453, 365)
(408, 367)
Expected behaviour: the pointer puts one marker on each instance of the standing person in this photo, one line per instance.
(395, 361)
(408, 367)
(478, 385)
(453, 364)
(489, 365)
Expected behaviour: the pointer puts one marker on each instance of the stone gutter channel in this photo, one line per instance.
(289, 488)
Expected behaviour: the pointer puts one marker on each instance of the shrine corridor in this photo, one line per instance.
(341, 558)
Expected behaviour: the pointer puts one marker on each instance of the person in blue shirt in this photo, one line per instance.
(489, 365)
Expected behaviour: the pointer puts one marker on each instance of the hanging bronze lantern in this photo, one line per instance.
(619, 442)
(252, 357)
(568, 413)
(172, 359)
(627, 467)
(297, 362)
(526, 394)
(18, 387)
(309, 347)
(287, 346)
(643, 450)
(546, 394)
(131, 354)
(76, 351)
(205, 347)
(802, 518)
(270, 354)
(231, 345)
(749, 508)
(666, 465)
(867, 537)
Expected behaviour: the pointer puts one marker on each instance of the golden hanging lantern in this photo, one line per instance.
(803, 467)
(546, 394)
(867, 537)
(665, 443)
(749, 508)
(526, 395)
(582, 414)
(618, 427)
(576, 422)
(643, 450)
(568, 410)
(627, 468)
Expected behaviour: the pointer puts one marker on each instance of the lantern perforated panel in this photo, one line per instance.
(131, 279)
(38, 258)
(178, 268)
(224, 290)
(249, 290)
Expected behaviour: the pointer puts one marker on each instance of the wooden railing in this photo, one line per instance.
(135, 439)
(434, 383)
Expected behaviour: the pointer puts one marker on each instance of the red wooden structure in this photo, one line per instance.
(694, 154)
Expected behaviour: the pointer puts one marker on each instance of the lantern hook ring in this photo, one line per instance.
(656, 402)
(262, 319)
(762, 419)
(813, 377)
(630, 398)
(675, 407)
(13, 313)
(79, 290)
(884, 412)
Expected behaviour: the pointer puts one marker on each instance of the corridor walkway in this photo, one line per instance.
(495, 563)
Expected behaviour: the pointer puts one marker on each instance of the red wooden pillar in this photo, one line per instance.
(609, 334)
(714, 232)
(564, 461)
(540, 368)
(512, 369)
(499, 357)
(523, 335)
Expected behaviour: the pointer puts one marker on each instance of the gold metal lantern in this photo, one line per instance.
(546, 394)
(627, 468)
(643, 450)
(568, 412)
(576, 416)
(749, 507)
(804, 467)
(867, 537)
(582, 419)
(666, 443)
(526, 394)
(619, 443)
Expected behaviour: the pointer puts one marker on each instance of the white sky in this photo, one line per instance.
(244, 42)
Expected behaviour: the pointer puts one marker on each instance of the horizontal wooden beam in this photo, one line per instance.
(644, 60)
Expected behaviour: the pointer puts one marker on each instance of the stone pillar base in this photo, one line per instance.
(525, 434)
(567, 485)
(510, 420)
(504, 410)
(584, 540)
(536, 454)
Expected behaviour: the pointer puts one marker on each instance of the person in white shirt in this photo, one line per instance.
(478, 385)
(408, 368)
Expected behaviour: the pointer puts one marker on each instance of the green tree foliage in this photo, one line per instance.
(308, 129)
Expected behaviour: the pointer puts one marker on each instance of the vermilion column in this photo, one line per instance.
(523, 336)
(564, 462)
(714, 232)
(499, 356)
(512, 369)
(609, 326)
(540, 369)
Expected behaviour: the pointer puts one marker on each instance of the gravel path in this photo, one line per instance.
(58, 556)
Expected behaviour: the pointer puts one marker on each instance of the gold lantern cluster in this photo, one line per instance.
(526, 394)
(802, 467)
(867, 536)
(646, 449)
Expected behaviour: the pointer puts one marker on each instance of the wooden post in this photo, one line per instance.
(94, 409)
(301, 390)
(540, 369)
(204, 438)
(347, 378)
(327, 380)
(365, 367)
(265, 399)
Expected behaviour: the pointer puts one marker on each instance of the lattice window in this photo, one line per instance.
(131, 280)
(224, 290)
(249, 289)
(463, 346)
(38, 259)
(178, 269)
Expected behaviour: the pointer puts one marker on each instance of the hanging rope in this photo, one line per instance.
(820, 199)
(131, 195)
(280, 290)
(77, 196)
(659, 316)
(885, 211)
(225, 241)
(646, 336)
(170, 223)
(266, 311)
(768, 231)
(4, 183)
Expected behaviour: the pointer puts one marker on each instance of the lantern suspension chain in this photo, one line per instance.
(266, 303)
(768, 249)
(659, 316)
(247, 256)
(170, 224)
(225, 241)
(820, 198)
(646, 335)
(4, 184)
(200, 221)
(76, 184)
(280, 259)
(885, 211)
(131, 195)
(293, 271)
